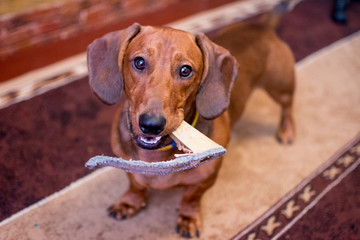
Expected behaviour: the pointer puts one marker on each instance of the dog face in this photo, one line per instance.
(162, 70)
(164, 73)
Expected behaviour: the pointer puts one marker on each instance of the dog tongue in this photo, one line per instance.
(202, 149)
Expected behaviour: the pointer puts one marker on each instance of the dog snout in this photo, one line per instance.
(151, 123)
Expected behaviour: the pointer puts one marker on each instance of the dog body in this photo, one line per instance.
(167, 76)
(265, 61)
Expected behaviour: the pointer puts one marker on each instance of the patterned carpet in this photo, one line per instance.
(45, 141)
(324, 206)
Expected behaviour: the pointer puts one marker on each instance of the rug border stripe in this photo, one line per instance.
(319, 197)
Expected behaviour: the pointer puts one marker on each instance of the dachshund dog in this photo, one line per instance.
(162, 76)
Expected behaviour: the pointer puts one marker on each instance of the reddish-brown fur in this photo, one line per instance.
(262, 60)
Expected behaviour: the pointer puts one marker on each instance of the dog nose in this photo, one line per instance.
(151, 124)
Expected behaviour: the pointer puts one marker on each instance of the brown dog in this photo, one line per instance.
(169, 75)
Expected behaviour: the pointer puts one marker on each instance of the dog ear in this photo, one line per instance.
(219, 75)
(104, 59)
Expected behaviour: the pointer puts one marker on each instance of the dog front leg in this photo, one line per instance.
(130, 203)
(189, 223)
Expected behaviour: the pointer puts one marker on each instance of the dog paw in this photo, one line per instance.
(129, 204)
(286, 137)
(286, 132)
(122, 211)
(187, 227)
(286, 129)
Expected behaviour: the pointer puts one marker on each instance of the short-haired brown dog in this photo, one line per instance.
(162, 76)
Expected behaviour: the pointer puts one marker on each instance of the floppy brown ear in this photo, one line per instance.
(219, 75)
(104, 59)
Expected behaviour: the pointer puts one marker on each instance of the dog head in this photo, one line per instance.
(164, 73)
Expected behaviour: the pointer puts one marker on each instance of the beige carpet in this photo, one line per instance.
(257, 171)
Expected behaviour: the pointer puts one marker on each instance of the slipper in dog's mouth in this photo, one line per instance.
(185, 136)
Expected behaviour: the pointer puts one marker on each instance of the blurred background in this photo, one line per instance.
(62, 28)
(59, 29)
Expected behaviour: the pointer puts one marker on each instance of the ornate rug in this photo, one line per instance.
(47, 136)
(325, 205)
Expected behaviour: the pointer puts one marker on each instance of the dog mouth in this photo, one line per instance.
(149, 142)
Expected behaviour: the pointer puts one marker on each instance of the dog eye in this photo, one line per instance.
(185, 71)
(139, 63)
